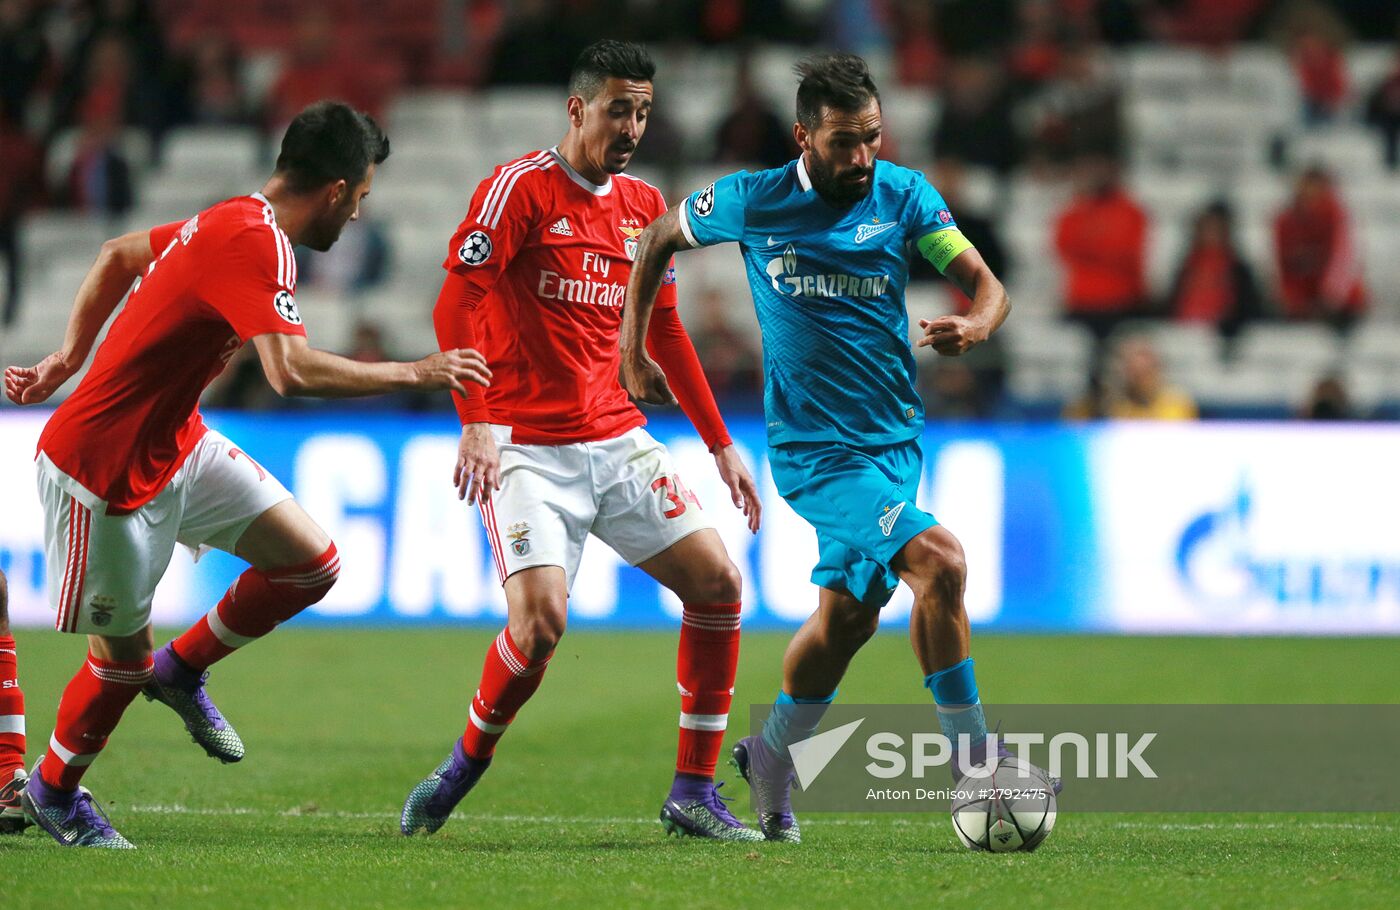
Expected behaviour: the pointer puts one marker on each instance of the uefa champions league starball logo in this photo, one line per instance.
(286, 306)
(705, 202)
(476, 249)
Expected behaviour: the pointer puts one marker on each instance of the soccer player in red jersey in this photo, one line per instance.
(12, 777)
(554, 449)
(128, 469)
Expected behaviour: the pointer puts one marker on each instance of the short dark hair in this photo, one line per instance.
(330, 141)
(840, 82)
(608, 59)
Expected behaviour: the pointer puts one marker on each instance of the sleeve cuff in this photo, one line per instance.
(685, 224)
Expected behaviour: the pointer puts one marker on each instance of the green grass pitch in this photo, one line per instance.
(339, 725)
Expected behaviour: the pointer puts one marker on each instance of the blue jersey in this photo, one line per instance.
(828, 286)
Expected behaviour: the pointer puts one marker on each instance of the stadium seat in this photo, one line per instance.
(1287, 349)
(213, 151)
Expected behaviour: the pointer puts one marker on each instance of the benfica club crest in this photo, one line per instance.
(519, 534)
(629, 243)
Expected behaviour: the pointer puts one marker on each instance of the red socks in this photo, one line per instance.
(507, 681)
(11, 711)
(88, 713)
(706, 661)
(253, 606)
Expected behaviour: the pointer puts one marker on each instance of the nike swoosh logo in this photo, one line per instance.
(866, 231)
(771, 241)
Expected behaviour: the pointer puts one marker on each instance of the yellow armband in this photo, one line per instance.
(942, 247)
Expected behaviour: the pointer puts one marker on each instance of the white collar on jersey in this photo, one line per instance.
(578, 178)
(802, 175)
(263, 199)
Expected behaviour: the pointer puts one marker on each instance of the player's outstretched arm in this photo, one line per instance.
(120, 262)
(642, 378)
(954, 335)
(293, 367)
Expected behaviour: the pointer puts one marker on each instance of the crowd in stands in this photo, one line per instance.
(1022, 89)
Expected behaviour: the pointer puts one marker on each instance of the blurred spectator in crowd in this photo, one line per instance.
(1214, 284)
(730, 359)
(918, 53)
(109, 82)
(317, 67)
(1314, 37)
(730, 21)
(358, 261)
(975, 125)
(1383, 113)
(1101, 238)
(24, 57)
(100, 180)
(1328, 401)
(1210, 23)
(855, 26)
(949, 178)
(537, 47)
(752, 132)
(1318, 268)
(213, 86)
(1079, 112)
(21, 186)
(1134, 388)
(1034, 56)
(958, 389)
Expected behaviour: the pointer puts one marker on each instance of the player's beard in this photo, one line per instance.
(835, 187)
(322, 234)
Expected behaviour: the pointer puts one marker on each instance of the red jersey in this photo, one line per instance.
(218, 279)
(542, 262)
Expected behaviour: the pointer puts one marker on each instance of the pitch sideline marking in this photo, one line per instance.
(230, 811)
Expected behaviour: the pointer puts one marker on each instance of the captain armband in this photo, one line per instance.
(942, 247)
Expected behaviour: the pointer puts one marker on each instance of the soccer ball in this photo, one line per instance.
(1009, 809)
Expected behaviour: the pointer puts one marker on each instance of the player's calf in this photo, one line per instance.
(12, 742)
(255, 604)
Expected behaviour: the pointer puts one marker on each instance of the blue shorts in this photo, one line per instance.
(861, 500)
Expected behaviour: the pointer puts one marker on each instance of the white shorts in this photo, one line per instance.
(103, 569)
(624, 490)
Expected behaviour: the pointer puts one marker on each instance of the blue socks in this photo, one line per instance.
(793, 720)
(959, 709)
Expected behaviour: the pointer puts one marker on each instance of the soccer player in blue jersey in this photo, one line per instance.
(826, 242)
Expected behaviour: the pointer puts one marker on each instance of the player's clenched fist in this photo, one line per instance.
(645, 381)
(952, 335)
(478, 471)
(452, 370)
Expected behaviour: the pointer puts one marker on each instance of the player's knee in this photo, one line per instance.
(853, 626)
(939, 566)
(721, 584)
(323, 576)
(537, 632)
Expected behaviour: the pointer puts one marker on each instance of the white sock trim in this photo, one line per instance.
(223, 633)
(713, 722)
(482, 725)
(12, 723)
(70, 758)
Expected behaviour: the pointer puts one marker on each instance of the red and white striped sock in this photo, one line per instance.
(11, 711)
(706, 661)
(508, 679)
(253, 606)
(88, 713)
